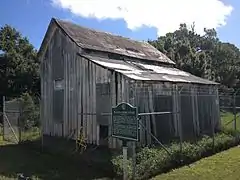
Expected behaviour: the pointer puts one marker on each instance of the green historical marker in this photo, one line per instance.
(125, 127)
(125, 122)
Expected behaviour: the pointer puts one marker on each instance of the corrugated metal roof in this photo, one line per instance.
(148, 72)
(106, 42)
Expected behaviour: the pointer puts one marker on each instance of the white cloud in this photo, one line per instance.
(164, 15)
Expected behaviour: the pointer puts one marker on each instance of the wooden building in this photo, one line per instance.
(85, 72)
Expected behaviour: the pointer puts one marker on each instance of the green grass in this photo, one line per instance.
(31, 134)
(224, 165)
(20, 158)
(227, 120)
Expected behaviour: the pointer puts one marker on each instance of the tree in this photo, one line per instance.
(19, 64)
(204, 56)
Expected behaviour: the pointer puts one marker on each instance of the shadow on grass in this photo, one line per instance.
(20, 158)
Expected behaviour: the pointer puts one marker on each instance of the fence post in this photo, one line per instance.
(234, 111)
(180, 122)
(125, 149)
(41, 121)
(20, 126)
(134, 160)
(180, 135)
(3, 109)
(212, 118)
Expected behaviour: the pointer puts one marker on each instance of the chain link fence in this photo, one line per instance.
(158, 115)
(179, 114)
(21, 120)
(230, 110)
(201, 113)
(1, 132)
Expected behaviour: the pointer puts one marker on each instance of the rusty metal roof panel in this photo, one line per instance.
(149, 72)
(106, 42)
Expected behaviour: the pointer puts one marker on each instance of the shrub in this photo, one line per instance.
(118, 165)
(30, 112)
(153, 161)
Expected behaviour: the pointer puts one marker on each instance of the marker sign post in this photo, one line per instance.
(125, 127)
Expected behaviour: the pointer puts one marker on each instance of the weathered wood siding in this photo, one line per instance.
(59, 62)
(90, 90)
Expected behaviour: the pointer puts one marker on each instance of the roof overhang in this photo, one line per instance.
(148, 72)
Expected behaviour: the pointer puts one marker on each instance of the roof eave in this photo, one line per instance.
(140, 58)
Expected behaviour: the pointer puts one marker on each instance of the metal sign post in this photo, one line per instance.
(125, 127)
(134, 160)
(125, 148)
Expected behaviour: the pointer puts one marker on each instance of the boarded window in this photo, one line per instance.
(58, 100)
(103, 102)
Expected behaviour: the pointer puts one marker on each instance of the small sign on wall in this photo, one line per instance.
(58, 84)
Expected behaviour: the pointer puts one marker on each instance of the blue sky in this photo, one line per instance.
(31, 17)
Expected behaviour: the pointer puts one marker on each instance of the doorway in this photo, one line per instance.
(103, 135)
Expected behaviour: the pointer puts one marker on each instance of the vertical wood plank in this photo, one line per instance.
(50, 93)
(98, 132)
(119, 99)
(115, 141)
(97, 80)
(123, 93)
(148, 125)
(91, 101)
(193, 110)
(217, 109)
(151, 109)
(88, 103)
(196, 109)
(111, 140)
(141, 97)
(84, 98)
(94, 105)
(80, 110)
(75, 96)
(65, 95)
(68, 96)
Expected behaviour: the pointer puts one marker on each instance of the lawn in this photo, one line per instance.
(224, 165)
(16, 158)
(227, 120)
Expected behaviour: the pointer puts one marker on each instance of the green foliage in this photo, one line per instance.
(31, 134)
(118, 168)
(151, 162)
(30, 112)
(204, 56)
(19, 66)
